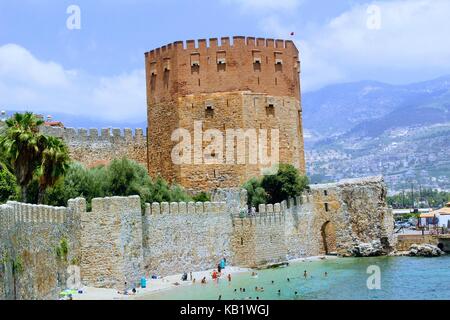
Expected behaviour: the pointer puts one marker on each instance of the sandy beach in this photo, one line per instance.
(170, 282)
(153, 285)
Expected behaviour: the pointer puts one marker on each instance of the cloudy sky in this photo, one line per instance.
(98, 70)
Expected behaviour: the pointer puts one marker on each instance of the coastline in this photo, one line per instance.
(171, 282)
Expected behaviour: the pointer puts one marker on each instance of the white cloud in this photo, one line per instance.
(279, 5)
(411, 45)
(27, 83)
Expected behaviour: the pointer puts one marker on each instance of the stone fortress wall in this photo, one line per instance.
(118, 242)
(92, 148)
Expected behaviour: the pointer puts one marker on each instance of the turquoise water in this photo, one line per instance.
(401, 278)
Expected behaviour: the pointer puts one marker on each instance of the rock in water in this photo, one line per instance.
(368, 249)
(425, 250)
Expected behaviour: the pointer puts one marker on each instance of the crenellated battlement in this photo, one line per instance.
(23, 213)
(181, 208)
(94, 135)
(221, 43)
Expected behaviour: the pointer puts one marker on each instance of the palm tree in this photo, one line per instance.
(55, 163)
(21, 146)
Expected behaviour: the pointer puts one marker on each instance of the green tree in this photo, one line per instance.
(54, 164)
(256, 194)
(77, 182)
(9, 189)
(21, 144)
(287, 182)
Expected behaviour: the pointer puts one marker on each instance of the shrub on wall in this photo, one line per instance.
(256, 194)
(286, 183)
(202, 197)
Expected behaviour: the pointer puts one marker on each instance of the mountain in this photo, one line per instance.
(365, 128)
(340, 108)
(79, 121)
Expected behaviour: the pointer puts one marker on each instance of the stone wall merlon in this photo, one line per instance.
(157, 208)
(116, 204)
(92, 134)
(31, 213)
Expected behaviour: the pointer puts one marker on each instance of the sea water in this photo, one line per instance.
(347, 279)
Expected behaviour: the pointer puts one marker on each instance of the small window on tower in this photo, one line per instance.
(153, 68)
(326, 207)
(270, 110)
(195, 62)
(257, 60)
(221, 57)
(209, 111)
(166, 64)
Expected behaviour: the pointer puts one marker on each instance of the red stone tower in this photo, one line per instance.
(247, 84)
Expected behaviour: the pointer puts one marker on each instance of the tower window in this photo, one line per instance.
(209, 111)
(270, 110)
(166, 64)
(257, 60)
(195, 62)
(326, 207)
(325, 192)
(242, 241)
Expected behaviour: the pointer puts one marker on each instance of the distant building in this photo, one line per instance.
(441, 217)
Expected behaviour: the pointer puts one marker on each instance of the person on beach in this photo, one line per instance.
(214, 275)
(193, 280)
(204, 280)
(219, 268)
(190, 276)
(125, 291)
(229, 277)
(184, 277)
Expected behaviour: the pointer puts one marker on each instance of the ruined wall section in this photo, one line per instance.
(183, 237)
(111, 246)
(92, 149)
(32, 238)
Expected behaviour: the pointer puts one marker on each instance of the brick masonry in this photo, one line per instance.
(249, 84)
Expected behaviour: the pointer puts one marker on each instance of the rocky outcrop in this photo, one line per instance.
(367, 249)
(424, 250)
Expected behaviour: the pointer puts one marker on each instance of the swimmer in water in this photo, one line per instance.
(325, 274)
(305, 274)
